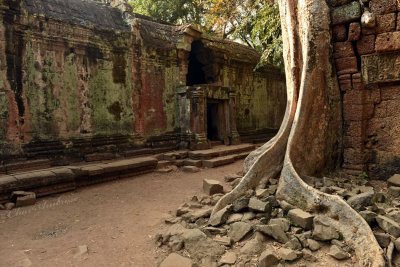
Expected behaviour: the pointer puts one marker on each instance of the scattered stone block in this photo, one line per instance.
(221, 216)
(394, 191)
(383, 239)
(323, 230)
(368, 216)
(262, 193)
(236, 217)
(190, 169)
(231, 177)
(308, 255)
(283, 223)
(303, 238)
(267, 259)
(301, 218)
(394, 180)
(258, 205)
(358, 202)
(22, 198)
(192, 162)
(313, 245)
(240, 204)
(388, 225)
(228, 258)
(211, 187)
(286, 206)
(80, 251)
(338, 253)
(287, 254)
(247, 216)
(397, 244)
(254, 246)
(238, 230)
(293, 244)
(273, 230)
(174, 260)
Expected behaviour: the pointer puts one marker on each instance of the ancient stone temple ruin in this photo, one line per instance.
(82, 77)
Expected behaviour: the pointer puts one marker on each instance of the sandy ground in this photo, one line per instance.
(117, 221)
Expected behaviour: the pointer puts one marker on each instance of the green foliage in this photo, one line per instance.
(252, 22)
(174, 11)
(363, 176)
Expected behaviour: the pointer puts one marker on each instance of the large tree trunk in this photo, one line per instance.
(309, 139)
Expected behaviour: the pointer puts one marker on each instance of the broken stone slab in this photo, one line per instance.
(236, 217)
(253, 247)
(199, 245)
(247, 216)
(282, 222)
(338, 253)
(195, 215)
(394, 180)
(238, 230)
(393, 214)
(221, 216)
(285, 205)
(175, 259)
(267, 258)
(223, 240)
(308, 255)
(228, 258)
(397, 244)
(211, 187)
(231, 177)
(301, 218)
(323, 230)
(388, 225)
(303, 238)
(273, 230)
(287, 254)
(360, 201)
(23, 198)
(258, 205)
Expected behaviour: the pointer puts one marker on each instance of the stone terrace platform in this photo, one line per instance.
(46, 181)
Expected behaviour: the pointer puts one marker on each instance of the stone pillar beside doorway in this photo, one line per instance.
(198, 122)
(234, 134)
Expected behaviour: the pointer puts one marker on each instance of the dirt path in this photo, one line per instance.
(117, 221)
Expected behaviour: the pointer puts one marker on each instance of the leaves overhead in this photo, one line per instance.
(255, 23)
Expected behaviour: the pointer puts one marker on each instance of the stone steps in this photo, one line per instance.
(219, 161)
(220, 151)
(61, 179)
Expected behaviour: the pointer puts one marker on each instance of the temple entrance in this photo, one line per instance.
(213, 122)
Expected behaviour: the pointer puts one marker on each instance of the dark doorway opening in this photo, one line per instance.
(200, 69)
(213, 121)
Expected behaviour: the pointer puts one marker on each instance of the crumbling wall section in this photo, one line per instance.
(366, 47)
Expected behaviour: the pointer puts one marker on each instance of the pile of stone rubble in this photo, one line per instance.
(258, 230)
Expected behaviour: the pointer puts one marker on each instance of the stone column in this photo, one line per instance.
(234, 135)
(198, 120)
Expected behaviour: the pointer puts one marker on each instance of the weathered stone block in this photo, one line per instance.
(387, 42)
(354, 31)
(388, 225)
(345, 82)
(346, 13)
(357, 82)
(378, 68)
(360, 201)
(267, 258)
(366, 45)
(386, 23)
(238, 230)
(323, 230)
(394, 180)
(301, 218)
(346, 65)
(339, 33)
(358, 112)
(343, 49)
(383, 6)
(25, 199)
(211, 187)
(258, 205)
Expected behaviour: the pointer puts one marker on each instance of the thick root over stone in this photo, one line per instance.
(307, 142)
